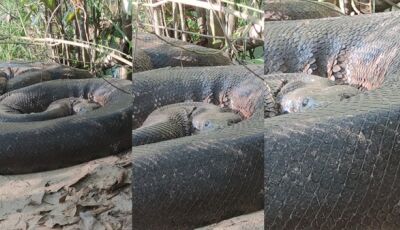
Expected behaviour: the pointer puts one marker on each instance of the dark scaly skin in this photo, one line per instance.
(194, 180)
(164, 185)
(43, 145)
(173, 52)
(276, 10)
(336, 167)
(64, 115)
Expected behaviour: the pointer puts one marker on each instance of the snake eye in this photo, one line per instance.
(305, 102)
(206, 124)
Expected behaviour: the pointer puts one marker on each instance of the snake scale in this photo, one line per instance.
(38, 133)
(74, 116)
(196, 180)
(331, 168)
(336, 167)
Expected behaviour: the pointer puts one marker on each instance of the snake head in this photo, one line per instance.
(309, 98)
(298, 104)
(209, 122)
(83, 106)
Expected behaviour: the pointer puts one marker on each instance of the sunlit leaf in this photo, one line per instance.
(50, 4)
(34, 8)
(70, 17)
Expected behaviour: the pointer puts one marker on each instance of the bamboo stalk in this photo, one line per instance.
(175, 20)
(156, 22)
(164, 20)
(183, 24)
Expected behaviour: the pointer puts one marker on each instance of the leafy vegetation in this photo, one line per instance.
(234, 26)
(90, 33)
(75, 32)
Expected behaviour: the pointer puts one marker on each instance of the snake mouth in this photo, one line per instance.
(202, 120)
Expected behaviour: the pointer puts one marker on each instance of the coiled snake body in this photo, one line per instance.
(51, 118)
(194, 180)
(336, 167)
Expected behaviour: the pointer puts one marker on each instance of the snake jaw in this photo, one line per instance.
(80, 106)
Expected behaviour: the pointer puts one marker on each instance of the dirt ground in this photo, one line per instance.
(93, 195)
(252, 221)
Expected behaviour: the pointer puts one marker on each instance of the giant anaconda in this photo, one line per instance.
(336, 167)
(47, 123)
(194, 180)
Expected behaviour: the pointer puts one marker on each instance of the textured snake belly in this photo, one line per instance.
(34, 139)
(194, 180)
(336, 167)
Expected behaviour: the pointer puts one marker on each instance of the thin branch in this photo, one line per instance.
(79, 44)
(353, 5)
(243, 6)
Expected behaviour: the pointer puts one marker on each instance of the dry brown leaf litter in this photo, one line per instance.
(94, 195)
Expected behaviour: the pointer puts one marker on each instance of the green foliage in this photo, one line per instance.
(11, 24)
(50, 4)
(258, 56)
(193, 25)
(94, 22)
(69, 17)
